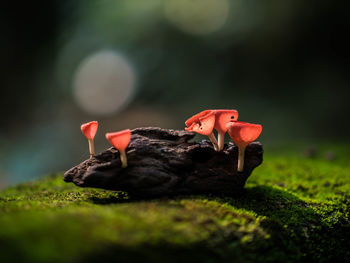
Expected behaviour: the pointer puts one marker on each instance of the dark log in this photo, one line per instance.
(165, 163)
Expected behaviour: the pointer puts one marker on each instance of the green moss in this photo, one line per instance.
(294, 209)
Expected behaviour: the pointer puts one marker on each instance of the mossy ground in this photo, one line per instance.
(294, 209)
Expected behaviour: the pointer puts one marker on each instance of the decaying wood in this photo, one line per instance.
(165, 163)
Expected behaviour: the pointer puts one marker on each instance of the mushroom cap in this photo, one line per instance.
(243, 133)
(120, 140)
(205, 125)
(89, 129)
(222, 117)
(195, 118)
(190, 129)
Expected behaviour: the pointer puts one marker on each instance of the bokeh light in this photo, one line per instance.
(197, 17)
(104, 83)
(274, 61)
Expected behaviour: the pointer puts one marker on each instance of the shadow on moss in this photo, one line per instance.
(310, 231)
(117, 198)
(299, 232)
(151, 254)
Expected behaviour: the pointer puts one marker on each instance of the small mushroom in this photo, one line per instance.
(89, 130)
(120, 140)
(242, 134)
(195, 118)
(205, 127)
(203, 123)
(222, 117)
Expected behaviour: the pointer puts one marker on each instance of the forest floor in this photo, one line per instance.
(295, 208)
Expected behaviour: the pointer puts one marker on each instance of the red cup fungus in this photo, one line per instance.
(222, 117)
(120, 140)
(203, 123)
(242, 134)
(89, 130)
(195, 118)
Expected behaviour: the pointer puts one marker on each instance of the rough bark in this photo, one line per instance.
(165, 163)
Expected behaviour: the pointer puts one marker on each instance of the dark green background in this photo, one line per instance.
(283, 64)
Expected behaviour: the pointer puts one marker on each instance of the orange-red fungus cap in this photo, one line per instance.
(222, 117)
(243, 133)
(190, 129)
(120, 140)
(195, 118)
(205, 125)
(89, 129)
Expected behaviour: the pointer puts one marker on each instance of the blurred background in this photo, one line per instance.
(131, 63)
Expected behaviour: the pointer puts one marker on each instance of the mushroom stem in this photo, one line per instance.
(91, 147)
(123, 158)
(221, 141)
(241, 151)
(213, 141)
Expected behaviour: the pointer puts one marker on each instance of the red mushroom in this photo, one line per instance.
(203, 124)
(89, 130)
(242, 134)
(222, 117)
(195, 118)
(120, 140)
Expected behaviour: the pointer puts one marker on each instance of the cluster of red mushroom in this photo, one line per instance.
(242, 133)
(120, 140)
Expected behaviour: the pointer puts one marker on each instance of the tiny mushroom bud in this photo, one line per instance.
(120, 140)
(89, 130)
(222, 117)
(242, 134)
(204, 126)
